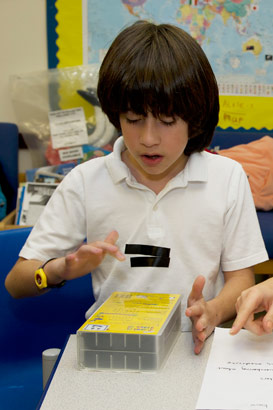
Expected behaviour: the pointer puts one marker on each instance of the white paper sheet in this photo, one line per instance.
(68, 127)
(239, 373)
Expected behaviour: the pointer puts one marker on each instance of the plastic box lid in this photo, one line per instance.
(130, 331)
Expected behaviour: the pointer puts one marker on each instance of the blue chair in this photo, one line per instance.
(31, 325)
(9, 147)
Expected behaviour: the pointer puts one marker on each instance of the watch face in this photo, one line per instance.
(40, 279)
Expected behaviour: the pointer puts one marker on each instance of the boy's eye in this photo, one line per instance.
(168, 121)
(132, 121)
(133, 118)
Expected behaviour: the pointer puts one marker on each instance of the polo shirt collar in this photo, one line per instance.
(196, 169)
(116, 167)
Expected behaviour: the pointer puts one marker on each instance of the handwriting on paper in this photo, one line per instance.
(239, 373)
(257, 367)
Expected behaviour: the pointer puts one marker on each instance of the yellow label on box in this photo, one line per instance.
(132, 312)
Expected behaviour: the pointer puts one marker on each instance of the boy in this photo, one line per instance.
(159, 214)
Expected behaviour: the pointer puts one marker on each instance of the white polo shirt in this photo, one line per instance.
(205, 217)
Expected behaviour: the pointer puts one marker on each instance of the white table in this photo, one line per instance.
(175, 386)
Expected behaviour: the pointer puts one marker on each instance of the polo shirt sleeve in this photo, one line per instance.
(61, 227)
(243, 245)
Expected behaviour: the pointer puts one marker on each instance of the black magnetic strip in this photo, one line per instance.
(147, 250)
(157, 261)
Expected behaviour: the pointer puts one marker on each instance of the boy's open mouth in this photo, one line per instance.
(152, 156)
(151, 159)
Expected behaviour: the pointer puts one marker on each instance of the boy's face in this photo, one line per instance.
(155, 146)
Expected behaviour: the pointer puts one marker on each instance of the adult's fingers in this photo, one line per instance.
(268, 320)
(242, 316)
(246, 307)
(255, 326)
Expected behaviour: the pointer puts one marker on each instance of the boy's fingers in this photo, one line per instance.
(195, 310)
(198, 345)
(112, 237)
(197, 288)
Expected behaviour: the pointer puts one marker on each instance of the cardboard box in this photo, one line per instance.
(9, 222)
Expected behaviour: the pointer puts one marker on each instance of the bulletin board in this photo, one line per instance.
(236, 36)
(64, 33)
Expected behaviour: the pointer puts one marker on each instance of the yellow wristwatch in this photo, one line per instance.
(41, 279)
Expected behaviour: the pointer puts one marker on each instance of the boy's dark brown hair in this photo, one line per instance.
(161, 69)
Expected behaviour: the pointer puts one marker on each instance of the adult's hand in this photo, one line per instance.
(258, 298)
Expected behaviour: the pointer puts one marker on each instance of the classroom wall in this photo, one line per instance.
(23, 49)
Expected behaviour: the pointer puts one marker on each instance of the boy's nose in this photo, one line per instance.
(149, 134)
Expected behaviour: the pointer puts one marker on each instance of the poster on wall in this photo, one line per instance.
(236, 36)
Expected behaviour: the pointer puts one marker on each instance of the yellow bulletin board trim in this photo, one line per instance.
(246, 112)
(70, 32)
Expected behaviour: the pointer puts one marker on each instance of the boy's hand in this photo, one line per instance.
(20, 280)
(256, 299)
(87, 257)
(199, 313)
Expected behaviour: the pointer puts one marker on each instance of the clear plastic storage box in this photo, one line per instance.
(130, 331)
